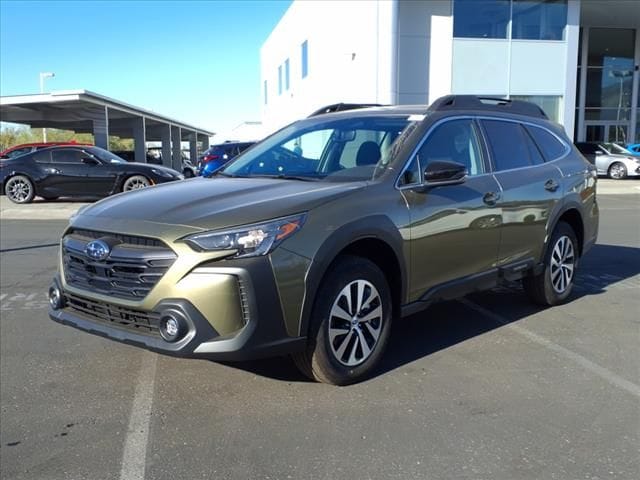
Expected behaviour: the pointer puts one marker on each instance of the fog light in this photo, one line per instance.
(56, 300)
(172, 327)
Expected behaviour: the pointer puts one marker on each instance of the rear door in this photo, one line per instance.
(531, 191)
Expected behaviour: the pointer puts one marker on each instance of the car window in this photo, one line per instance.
(548, 144)
(18, 152)
(67, 155)
(42, 157)
(507, 144)
(534, 152)
(587, 148)
(453, 141)
(345, 149)
(411, 176)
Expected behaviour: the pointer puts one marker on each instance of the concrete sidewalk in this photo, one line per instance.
(607, 186)
(39, 209)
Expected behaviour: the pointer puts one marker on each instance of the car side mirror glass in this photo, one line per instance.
(444, 173)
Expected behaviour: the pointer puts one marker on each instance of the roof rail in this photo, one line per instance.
(339, 107)
(493, 104)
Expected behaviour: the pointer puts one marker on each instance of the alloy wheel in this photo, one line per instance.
(355, 323)
(617, 171)
(562, 264)
(18, 189)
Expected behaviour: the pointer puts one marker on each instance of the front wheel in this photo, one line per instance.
(350, 323)
(617, 171)
(188, 173)
(135, 182)
(19, 189)
(554, 284)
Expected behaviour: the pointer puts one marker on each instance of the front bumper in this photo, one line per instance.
(259, 330)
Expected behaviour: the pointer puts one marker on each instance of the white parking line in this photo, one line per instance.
(587, 364)
(135, 447)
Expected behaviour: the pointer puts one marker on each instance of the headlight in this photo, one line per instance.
(250, 240)
(162, 173)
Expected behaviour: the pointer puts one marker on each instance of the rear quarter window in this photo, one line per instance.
(549, 145)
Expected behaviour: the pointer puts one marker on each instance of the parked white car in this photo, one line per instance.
(610, 160)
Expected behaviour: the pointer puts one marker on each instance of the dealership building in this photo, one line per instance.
(578, 59)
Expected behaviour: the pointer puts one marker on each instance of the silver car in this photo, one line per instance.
(611, 160)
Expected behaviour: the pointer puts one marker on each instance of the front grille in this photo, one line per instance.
(132, 269)
(106, 313)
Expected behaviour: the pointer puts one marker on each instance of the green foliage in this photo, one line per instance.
(11, 136)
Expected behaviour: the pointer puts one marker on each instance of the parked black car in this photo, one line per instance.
(76, 172)
(154, 156)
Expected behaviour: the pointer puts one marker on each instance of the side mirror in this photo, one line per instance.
(444, 173)
(90, 161)
(4, 157)
(598, 152)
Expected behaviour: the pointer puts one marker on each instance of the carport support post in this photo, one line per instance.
(193, 147)
(165, 138)
(176, 141)
(139, 139)
(101, 129)
(205, 142)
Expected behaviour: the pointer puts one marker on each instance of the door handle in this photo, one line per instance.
(551, 185)
(491, 198)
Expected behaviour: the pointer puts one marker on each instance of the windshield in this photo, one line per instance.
(106, 156)
(615, 148)
(336, 150)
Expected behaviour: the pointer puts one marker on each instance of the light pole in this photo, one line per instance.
(44, 75)
(620, 75)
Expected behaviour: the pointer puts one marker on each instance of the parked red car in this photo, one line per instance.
(18, 150)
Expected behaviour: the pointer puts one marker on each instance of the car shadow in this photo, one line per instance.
(39, 200)
(446, 324)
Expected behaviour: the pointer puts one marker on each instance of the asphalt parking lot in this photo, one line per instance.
(489, 387)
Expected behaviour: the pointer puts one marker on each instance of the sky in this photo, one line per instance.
(195, 61)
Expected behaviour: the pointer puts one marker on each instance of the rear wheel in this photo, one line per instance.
(350, 323)
(19, 189)
(617, 171)
(554, 284)
(135, 182)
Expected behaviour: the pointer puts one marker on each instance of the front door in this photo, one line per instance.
(455, 229)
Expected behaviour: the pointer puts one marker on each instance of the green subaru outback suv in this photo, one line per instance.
(313, 241)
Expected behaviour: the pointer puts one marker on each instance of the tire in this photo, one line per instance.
(345, 358)
(553, 286)
(135, 182)
(19, 189)
(188, 173)
(617, 171)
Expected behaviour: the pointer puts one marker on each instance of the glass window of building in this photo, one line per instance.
(305, 59)
(481, 18)
(286, 74)
(539, 20)
(551, 104)
(279, 79)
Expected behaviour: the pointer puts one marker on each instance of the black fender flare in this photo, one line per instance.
(377, 227)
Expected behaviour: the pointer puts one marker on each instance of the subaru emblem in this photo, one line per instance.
(97, 250)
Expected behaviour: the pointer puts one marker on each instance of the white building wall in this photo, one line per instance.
(348, 58)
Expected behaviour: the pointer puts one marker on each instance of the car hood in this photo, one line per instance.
(209, 204)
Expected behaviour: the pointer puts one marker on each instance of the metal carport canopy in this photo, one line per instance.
(83, 111)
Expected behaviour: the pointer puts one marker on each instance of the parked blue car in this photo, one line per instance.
(634, 148)
(217, 156)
